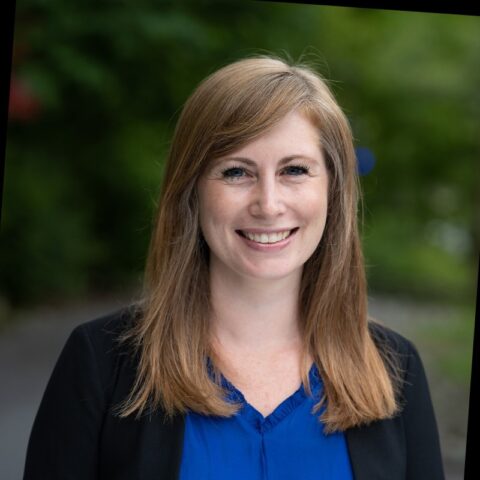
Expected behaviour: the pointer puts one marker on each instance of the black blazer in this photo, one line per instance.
(76, 436)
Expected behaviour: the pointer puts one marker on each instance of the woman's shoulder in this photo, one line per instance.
(399, 352)
(402, 359)
(98, 342)
(106, 329)
(92, 374)
(385, 336)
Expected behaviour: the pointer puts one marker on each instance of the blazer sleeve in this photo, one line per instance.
(64, 442)
(424, 458)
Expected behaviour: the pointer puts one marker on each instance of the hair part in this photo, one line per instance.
(230, 108)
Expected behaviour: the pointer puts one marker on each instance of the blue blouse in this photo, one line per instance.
(288, 444)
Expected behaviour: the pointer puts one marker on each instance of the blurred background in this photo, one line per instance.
(95, 92)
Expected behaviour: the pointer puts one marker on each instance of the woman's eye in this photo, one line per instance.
(296, 170)
(234, 172)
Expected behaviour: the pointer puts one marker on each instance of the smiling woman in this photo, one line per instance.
(251, 354)
(261, 213)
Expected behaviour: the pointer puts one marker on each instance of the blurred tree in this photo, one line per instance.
(98, 86)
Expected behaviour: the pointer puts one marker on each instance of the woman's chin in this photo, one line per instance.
(254, 271)
(271, 274)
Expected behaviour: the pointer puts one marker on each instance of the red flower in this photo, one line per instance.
(23, 105)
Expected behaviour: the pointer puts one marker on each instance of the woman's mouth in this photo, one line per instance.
(266, 238)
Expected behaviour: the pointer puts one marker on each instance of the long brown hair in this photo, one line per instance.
(228, 109)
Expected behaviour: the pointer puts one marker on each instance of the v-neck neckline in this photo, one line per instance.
(262, 424)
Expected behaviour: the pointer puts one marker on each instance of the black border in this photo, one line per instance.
(8, 27)
(448, 7)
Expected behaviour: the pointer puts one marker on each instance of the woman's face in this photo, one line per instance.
(263, 208)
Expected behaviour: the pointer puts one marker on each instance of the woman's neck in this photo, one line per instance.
(255, 316)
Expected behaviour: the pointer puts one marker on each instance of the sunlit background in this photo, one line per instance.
(95, 92)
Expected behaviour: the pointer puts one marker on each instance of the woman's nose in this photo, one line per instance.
(267, 199)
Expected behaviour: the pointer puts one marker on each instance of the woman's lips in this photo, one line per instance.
(268, 247)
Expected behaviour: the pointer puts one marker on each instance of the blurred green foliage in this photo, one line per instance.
(451, 343)
(83, 171)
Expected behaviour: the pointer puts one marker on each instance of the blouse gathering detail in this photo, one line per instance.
(288, 444)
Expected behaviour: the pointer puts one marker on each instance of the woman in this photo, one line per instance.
(251, 354)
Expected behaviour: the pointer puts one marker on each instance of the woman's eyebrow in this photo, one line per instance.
(252, 163)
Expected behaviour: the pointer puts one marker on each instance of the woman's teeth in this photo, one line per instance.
(267, 238)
